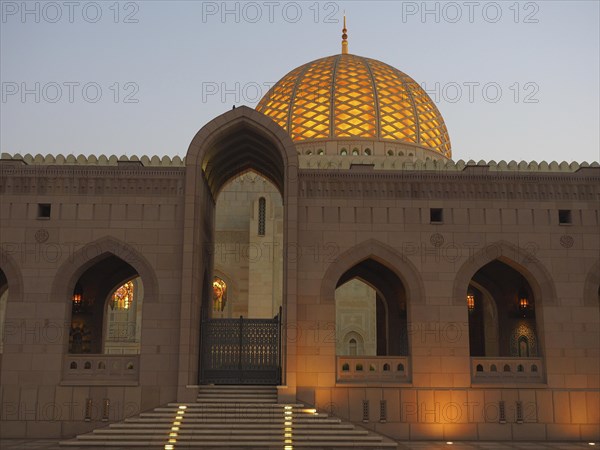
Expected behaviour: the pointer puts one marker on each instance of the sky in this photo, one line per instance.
(514, 80)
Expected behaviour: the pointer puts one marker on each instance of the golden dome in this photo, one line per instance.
(349, 96)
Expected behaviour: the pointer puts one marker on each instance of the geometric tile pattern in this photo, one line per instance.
(310, 118)
(354, 112)
(348, 96)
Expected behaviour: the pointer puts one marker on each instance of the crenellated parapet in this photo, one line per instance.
(337, 162)
(92, 160)
(316, 161)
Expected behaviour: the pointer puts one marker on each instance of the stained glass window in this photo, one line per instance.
(219, 294)
(123, 297)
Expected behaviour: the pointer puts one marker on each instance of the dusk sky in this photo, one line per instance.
(513, 80)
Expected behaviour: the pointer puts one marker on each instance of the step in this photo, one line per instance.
(240, 426)
(236, 401)
(209, 409)
(236, 421)
(234, 412)
(229, 431)
(222, 397)
(229, 437)
(258, 404)
(229, 444)
(237, 389)
(237, 395)
(232, 417)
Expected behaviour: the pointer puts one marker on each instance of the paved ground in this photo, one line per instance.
(19, 444)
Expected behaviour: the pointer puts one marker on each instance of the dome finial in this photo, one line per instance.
(344, 38)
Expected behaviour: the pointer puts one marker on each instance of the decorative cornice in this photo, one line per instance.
(338, 176)
(134, 180)
(473, 182)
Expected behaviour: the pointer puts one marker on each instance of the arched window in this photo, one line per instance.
(219, 294)
(123, 318)
(106, 308)
(262, 211)
(523, 347)
(122, 298)
(352, 347)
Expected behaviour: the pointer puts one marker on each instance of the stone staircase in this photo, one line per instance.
(232, 416)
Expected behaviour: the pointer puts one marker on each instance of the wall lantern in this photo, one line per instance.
(77, 296)
(523, 302)
(471, 302)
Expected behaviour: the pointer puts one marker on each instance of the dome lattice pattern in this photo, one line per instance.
(349, 96)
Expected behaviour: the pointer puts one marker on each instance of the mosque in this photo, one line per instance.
(323, 249)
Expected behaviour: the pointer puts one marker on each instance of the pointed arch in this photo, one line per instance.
(591, 286)
(240, 140)
(14, 279)
(381, 253)
(522, 260)
(69, 272)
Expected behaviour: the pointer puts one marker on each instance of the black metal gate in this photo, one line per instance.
(241, 351)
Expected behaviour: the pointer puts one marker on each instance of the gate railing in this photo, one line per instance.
(241, 351)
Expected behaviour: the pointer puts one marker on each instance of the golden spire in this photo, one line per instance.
(344, 38)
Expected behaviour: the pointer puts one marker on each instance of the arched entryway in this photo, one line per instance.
(106, 308)
(372, 287)
(504, 288)
(502, 313)
(239, 142)
(370, 300)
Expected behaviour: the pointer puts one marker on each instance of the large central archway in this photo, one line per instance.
(234, 143)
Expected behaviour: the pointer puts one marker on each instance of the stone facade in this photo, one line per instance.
(341, 217)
